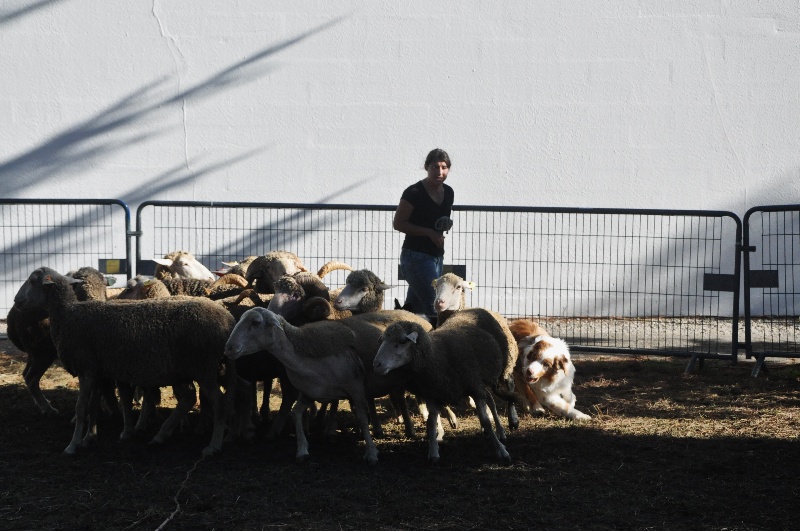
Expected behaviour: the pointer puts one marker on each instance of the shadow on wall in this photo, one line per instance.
(87, 142)
(9, 16)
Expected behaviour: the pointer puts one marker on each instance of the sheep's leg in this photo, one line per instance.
(263, 411)
(33, 372)
(186, 397)
(289, 395)
(85, 384)
(241, 423)
(433, 426)
(451, 417)
(486, 424)
(217, 401)
(126, 392)
(501, 433)
(513, 418)
(147, 408)
(300, 406)
(92, 414)
(398, 399)
(329, 428)
(377, 429)
(360, 407)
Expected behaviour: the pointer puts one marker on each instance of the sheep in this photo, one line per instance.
(368, 328)
(238, 268)
(29, 331)
(363, 292)
(451, 295)
(469, 352)
(149, 343)
(181, 264)
(265, 270)
(140, 287)
(320, 359)
(299, 298)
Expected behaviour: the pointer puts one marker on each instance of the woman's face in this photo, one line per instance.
(437, 172)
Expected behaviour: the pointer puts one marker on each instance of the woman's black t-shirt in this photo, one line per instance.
(425, 214)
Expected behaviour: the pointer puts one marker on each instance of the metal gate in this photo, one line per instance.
(772, 282)
(63, 234)
(622, 281)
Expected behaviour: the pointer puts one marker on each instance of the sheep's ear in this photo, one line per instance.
(433, 283)
(470, 285)
(412, 337)
(163, 261)
(48, 279)
(383, 287)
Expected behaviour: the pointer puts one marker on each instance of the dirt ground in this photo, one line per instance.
(713, 450)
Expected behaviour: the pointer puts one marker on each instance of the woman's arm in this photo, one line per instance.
(402, 224)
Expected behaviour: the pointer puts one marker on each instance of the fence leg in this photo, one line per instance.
(760, 364)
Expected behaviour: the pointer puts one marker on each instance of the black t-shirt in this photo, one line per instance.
(425, 214)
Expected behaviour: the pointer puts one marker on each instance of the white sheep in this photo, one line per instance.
(181, 264)
(451, 295)
(150, 343)
(457, 360)
(320, 360)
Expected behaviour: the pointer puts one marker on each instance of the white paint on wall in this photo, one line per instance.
(637, 104)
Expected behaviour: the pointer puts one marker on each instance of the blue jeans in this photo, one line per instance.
(420, 270)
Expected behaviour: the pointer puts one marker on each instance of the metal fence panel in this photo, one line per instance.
(619, 280)
(63, 234)
(772, 282)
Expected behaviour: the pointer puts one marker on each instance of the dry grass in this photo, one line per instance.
(715, 450)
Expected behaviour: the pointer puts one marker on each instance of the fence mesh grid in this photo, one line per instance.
(60, 236)
(775, 311)
(618, 280)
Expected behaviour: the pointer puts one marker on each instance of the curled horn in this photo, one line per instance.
(333, 265)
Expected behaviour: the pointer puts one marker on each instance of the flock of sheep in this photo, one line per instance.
(264, 318)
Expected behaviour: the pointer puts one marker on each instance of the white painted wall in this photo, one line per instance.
(629, 103)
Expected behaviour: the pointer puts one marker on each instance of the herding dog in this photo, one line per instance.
(544, 370)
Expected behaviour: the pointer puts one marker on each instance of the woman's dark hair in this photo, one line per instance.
(437, 155)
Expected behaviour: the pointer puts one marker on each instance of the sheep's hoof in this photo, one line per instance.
(506, 460)
(411, 434)
(70, 450)
(49, 411)
(210, 451)
(301, 458)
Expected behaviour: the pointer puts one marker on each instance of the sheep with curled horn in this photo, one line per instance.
(468, 353)
(265, 270)
(150, 343)
(320, 360)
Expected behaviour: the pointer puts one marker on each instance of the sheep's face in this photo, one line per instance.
(396, 350)
(450, 292)
(185, 265)
(254, 332)
(31, 294)
(350, 297)
(288, 299)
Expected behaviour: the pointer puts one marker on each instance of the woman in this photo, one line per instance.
(422, 205)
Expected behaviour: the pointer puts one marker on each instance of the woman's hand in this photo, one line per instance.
(437, 238)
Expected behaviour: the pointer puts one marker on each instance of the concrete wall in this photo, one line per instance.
(629, 103)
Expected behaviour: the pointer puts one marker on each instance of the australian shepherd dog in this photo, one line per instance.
(544, 370)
